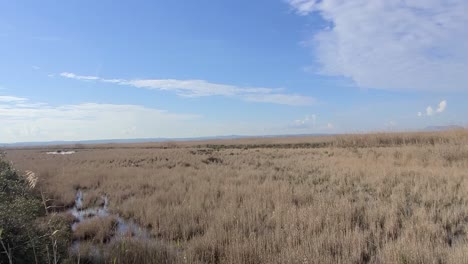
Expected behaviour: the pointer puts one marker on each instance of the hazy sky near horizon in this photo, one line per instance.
(79, 70)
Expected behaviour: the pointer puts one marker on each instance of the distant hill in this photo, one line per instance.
(106, 141)
(141, 140)
(442, 128)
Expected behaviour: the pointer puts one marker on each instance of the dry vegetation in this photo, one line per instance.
(380, 198)
(97, 230)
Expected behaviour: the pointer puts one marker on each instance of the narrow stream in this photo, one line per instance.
(124, 228)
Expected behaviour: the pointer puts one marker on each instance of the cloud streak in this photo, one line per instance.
(392, 44)
(10, 99)
(78, 77)
(202, 88)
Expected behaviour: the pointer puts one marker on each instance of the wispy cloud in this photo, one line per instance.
(416, 45)
(201, 88)
(303, 7)
(308, 121)
(23, 120)
(78, 77)
(430, 111)
(285, 99)
(194, 88)
(9, 99)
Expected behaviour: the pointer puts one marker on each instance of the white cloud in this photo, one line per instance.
(36, 68)
(309, 124)
(308, 121)
(285, 99)
(23, 120)
(303, 7)
(78, 77)
(195, 88)
(200, 88)
(392, 44)
(442, 106)
(10, 99)
(429, 111)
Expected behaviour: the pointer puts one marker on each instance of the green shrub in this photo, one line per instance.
(27, 235)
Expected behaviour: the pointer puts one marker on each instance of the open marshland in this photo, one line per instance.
(376, 198)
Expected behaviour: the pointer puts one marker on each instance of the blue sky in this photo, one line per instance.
(76, 70)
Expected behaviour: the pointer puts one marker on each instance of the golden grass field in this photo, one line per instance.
(376, 198)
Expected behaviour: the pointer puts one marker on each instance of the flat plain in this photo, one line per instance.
(374, 198)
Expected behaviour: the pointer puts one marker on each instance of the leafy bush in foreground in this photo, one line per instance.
(26, 234)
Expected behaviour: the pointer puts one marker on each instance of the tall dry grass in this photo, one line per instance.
(377, 198)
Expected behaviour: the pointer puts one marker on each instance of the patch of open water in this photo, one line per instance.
(59, 152)
(124, 228)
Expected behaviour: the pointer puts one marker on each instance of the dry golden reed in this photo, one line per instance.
(376, 198)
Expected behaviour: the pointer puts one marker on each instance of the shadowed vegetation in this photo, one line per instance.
(27, 234)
